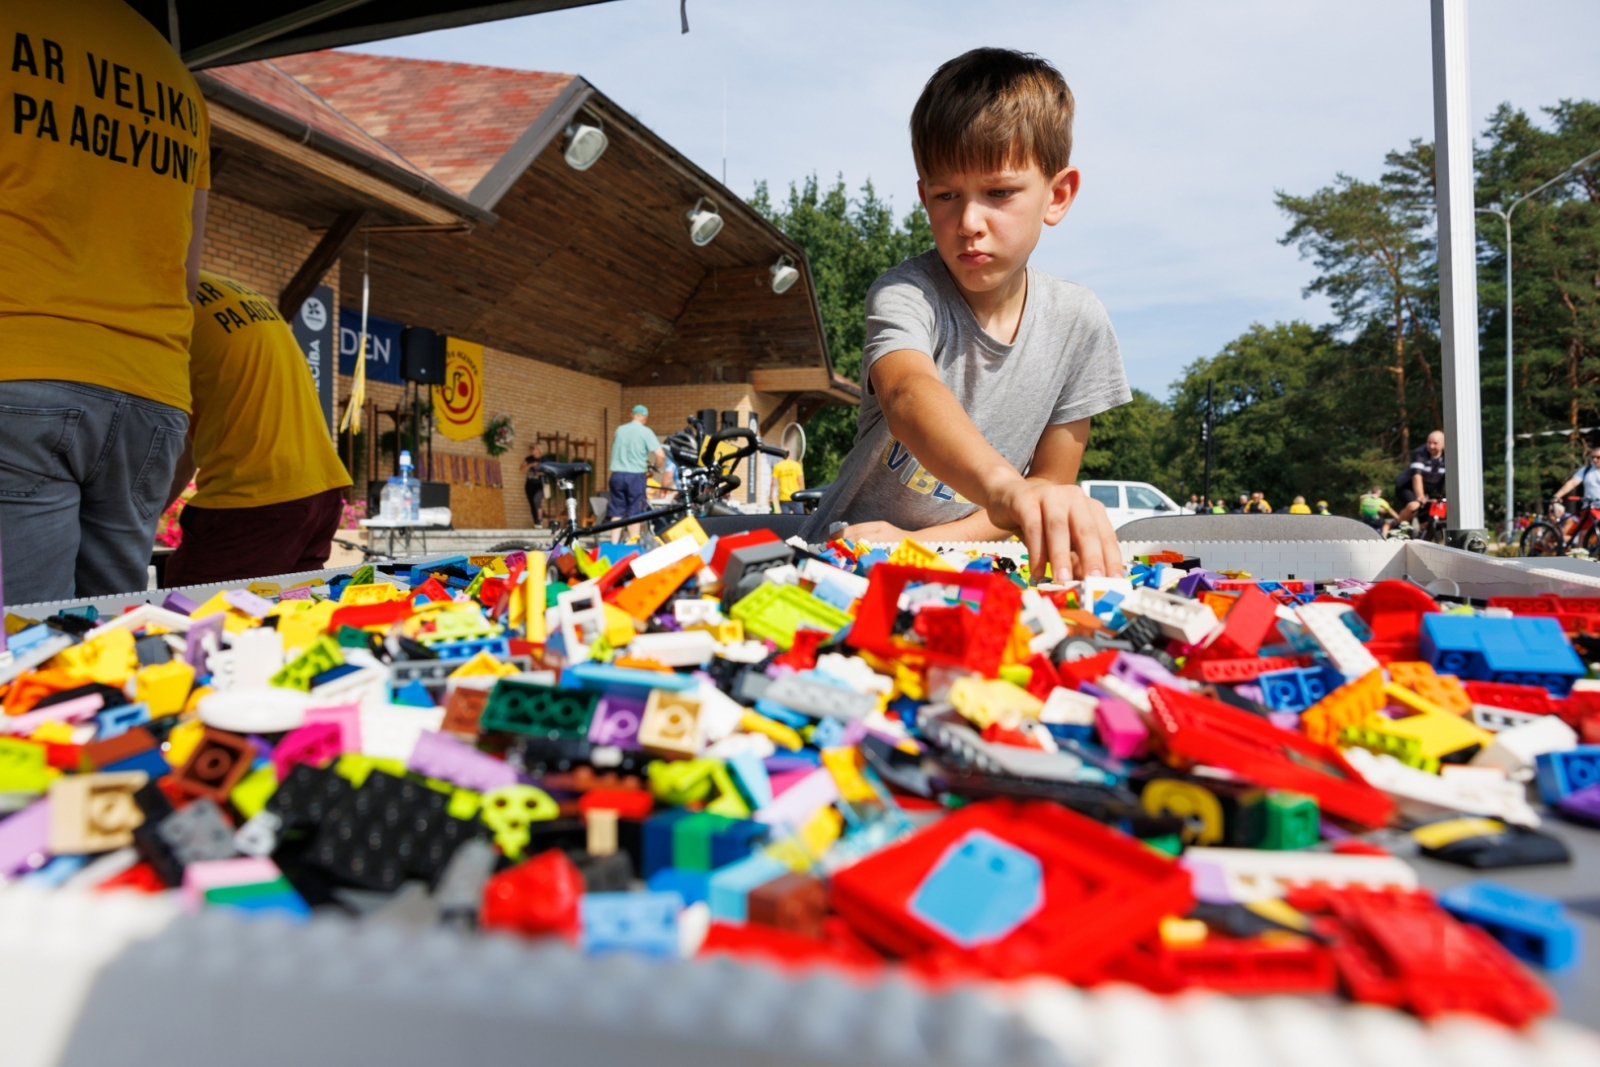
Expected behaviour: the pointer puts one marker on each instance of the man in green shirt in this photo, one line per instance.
(634, 450)
(1376, 512)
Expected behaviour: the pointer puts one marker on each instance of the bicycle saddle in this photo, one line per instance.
(808, 496)
(566, 470)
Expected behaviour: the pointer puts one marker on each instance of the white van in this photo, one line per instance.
(1126, 501)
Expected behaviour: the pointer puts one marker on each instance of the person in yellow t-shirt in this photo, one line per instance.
(104, 167)
(788, 478)
(269, 492)
(1299, 507)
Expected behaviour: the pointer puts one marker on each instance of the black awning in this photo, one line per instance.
(209, 34)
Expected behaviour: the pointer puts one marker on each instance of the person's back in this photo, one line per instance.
(102, 174)
(978, 367)
(1298, 507)
(788, 477)
(633, 447)
(269, 487)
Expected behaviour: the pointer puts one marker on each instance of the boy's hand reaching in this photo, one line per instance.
(1059, 524)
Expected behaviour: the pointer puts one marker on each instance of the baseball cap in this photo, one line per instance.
(640, 409)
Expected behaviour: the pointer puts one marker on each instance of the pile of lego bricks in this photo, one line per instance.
(876, 763)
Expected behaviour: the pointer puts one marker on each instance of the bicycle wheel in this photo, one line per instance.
(1591, 542)
(1542, 539)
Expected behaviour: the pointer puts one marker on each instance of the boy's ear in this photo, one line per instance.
(1063, 190)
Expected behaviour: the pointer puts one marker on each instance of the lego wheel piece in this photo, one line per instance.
(257, 710)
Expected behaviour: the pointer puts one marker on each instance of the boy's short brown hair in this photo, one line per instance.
(989, 109)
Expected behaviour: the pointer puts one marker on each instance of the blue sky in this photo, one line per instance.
(1190, 115)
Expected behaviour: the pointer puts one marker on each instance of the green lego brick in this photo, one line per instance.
(1292, 821)
(323, 655)
(773, 612)
(254, 790)
(691, 840)
(351, 637)
(235, 894)
(539, 710)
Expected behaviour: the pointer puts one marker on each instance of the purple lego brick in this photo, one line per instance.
(442, 756)
(1195, 579)
(616, 721)
(25, 839)
(248, 602)
(194, 653)
(178, 602)
(1582, 805)
(1141, 670)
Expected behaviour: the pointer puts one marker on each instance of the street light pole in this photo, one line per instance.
(1505, 216)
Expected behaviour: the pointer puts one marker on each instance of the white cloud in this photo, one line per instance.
(1189, 115)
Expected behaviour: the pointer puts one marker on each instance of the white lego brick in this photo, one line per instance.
(854, 672)
(1323, 623)
(816, 572)
(1245, 875)
(783, 574)
(1419, 793)
(1180, 618)
(582, 620)
(691, 648)
(810, 697)
(1136, 695)
(1043, 621)
(144, 615)
(1064, 707)
(1496, 719)
(391, 730)
(257, 656)
(1514, 750)
(719, 713)
(658, 559)
(694, 612)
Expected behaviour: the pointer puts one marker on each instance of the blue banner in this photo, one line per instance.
(313, 328)
(383, 345)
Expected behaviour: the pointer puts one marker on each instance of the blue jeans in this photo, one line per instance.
(791, 507)
(84, 472)
(627, 495)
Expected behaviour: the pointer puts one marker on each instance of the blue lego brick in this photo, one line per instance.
(656, 841)
(419, 574)
(982, 889)
(333, 673)
(289, 906)
(692, 886)
(413, 694)
(1523, 650)
(871, 560)
(828, 734)
(773, 710)
(733, 844)
(1284, 690)
(1561, 773)
(151, 761)
(114, 722)
(751, 776)
(832, 592)
(616, 553)
(643, 923)
(1062, 731)
(729, 892)
(495, 646)
(1533, 927)
(603, 676)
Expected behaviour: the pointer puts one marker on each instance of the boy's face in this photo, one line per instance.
(986, 225)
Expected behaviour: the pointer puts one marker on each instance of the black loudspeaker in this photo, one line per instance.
(708, 420)
(421, 355)
(730, 420)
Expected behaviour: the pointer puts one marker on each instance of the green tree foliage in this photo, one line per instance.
(1556, 319)
(1132, 443)
(849, 242)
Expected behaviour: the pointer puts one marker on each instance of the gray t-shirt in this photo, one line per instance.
(1589, 475)
(1063, 366)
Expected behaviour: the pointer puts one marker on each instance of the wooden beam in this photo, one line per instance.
(808, 409)
(319, 262)
(771, 421)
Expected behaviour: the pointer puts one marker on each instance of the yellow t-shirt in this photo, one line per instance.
(1299, 509)
(259, 435)
(105, 142)
(789, 475)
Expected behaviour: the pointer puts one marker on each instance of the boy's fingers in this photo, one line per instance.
(1058, 534)
(1033, 541)
(1090, 550)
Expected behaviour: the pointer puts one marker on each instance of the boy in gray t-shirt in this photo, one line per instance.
(982, 373)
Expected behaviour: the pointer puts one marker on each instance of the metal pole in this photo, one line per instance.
(1458, 297)
(1205, 432)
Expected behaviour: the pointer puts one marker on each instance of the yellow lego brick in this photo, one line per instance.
(164, 686)
(254, 790)
(483, 665)
(195, 696)
(270, 590)
(781, 734)
(590, 566)
(15, 624)
(354, 767)
(54, 733)
(619, 629)
(727, 632)
(234, 620)
(1178, 932)
(109, 659)
(844, 764)
(464, 804)
(822, 830)
(527, 599)
(371, 593)
(984, 701)
(182, 740)
(1437, 732)
(911, 554)
(688, 526)
(301, 629)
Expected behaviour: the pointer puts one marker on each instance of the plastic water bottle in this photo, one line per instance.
(389, 500)
(410, 491)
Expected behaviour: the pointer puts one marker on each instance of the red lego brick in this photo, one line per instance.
(1533, 699)
(987, 635)
(360, 616)
(1393, 610)
(838, 947)
(628, 803)
(1075, 672)
(802, 655)
(1045, 677)
(1253, 966)
(610, 578)
(1246, 626)
(433, 589)
(1528, 605)
(536, 897)
(1101, 890)
(1197, 730)
(1233, 671)
(726, 545)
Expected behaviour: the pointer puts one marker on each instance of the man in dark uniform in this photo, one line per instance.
(1423, 478)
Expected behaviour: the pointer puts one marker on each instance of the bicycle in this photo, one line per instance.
(1578, 529)
(703, 483)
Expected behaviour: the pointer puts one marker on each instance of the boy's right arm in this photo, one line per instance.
(1052, 520)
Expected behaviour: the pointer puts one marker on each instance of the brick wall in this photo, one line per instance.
(256, 247)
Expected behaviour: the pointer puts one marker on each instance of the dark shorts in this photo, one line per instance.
(233, 544)
(627, 495)
(1406, 496)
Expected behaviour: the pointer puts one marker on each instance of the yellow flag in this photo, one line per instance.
(458, 400)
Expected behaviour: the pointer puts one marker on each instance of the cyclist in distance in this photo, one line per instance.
(1423, 478)
(1588, 475)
